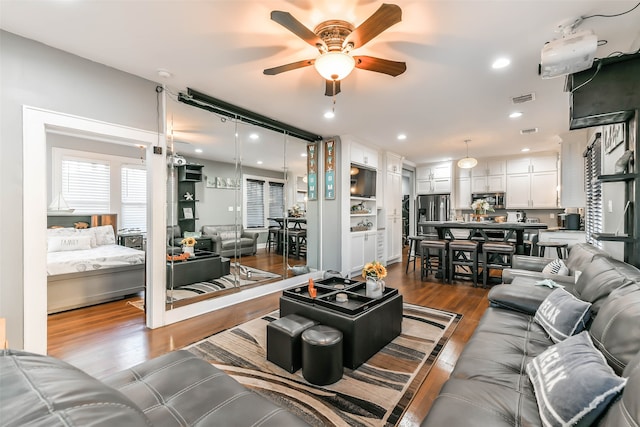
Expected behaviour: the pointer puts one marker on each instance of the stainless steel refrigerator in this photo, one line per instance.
(432, 207)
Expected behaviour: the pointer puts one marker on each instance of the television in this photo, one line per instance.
(363, 182)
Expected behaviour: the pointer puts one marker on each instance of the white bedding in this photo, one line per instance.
(99, 258)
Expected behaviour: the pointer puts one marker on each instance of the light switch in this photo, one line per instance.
(552, 215)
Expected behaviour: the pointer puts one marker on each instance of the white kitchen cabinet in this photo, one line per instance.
(394, 163)
(363, 250)
(393, 194)
(463, 194)
(364, 155)
(381, 256)
(433, 178)
(488, 184)
(394, 238)
(541, 163)
(537, 190)
(489, 167)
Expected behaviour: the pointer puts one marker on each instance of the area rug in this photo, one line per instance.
(245, 276)
(375, 394)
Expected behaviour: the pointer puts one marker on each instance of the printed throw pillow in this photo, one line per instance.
(562, 315)
(572, 382)
(104, 235)
(88, 232)
(68, 243)
(557, 266)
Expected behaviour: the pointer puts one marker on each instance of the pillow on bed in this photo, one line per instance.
(59, 231)
(104, 235)
(68, 243)
(88, 232)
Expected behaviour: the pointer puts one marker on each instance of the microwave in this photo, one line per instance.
(496, 199)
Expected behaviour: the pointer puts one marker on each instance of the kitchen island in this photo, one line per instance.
(510, 229)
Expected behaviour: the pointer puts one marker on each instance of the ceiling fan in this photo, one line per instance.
(335, 39)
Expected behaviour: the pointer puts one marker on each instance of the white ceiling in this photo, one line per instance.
(449, 92)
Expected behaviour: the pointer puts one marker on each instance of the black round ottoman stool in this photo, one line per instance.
(322, 355)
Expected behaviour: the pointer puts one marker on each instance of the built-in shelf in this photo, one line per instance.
(187, 201)
(367, 214)
(618, 177)
(366, 199)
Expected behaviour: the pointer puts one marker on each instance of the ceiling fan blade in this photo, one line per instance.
(383, 18)
(392, 68)
(296, 27)
(288, 67)
(329, 87)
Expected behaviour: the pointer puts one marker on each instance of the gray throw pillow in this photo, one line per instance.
(562, 315)
(572, 382)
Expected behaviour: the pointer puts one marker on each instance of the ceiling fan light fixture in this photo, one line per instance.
(334, 65)
(467, 162)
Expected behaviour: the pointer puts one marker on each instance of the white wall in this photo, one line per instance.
(36, 75)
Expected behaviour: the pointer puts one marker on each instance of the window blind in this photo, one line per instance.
(86, 185)
(593, 190)
(276, 200)
(255, 203)
(134, 198)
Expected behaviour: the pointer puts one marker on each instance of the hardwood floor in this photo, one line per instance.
(109, 337)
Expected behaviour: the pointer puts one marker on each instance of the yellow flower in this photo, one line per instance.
(374, 269)
(188, 241)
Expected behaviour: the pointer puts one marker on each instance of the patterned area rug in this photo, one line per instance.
(375, 394)
(246, 276)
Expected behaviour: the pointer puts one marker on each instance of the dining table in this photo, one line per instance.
(509, 230)
(289, 221)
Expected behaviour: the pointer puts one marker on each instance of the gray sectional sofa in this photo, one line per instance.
(490, 384)
(231, 239)
(176, 389)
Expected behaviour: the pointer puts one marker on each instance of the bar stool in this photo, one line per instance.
(432, 250)
(297, 241)
(496, 256)
(463, 253)
(558, 245)
(414, 246)
(273, 234)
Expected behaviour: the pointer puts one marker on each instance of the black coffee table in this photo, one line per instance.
(203, 267)
(367, 324)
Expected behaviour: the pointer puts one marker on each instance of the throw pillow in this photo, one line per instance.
(557, 266)
(572, 382)
(68, 243)
(104, 235)
(562, 315)
(88, 232)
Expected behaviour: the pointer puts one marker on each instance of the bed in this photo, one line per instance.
(85, 266)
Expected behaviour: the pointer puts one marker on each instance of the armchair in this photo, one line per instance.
(227, 239)
(174, 236)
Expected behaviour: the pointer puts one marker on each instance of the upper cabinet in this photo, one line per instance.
(433, 178)
(542, 163)
(488, 176)
(394, 163)
(489, 167)
(532, 182)
(364, 155)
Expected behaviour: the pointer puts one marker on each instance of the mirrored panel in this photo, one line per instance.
(237, 193)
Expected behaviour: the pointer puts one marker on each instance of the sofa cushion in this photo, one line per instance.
(562, 315)
(616, 329)
(600, 277)
(556, 266)
(569, 366)
(45, 391)
(625, 412)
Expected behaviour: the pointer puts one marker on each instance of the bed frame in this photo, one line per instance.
(75, 290)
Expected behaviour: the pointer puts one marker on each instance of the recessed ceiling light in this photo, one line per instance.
(515, 114)
(259, 162)
(329, 115)
(500, 63)
(165, 74)
(254, 136)
(524, 150)
(402, 136)
(198, 150)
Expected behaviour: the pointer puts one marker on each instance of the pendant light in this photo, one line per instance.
(467, 162)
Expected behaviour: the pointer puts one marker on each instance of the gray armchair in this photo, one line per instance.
(174, 236)
(229, 240)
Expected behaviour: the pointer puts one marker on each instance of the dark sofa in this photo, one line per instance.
(489, 386)
(176, 389)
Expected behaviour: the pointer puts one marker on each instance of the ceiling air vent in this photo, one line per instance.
(528, 131)
(521, 99)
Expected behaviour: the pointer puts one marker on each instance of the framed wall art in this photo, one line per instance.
(312, 171)
(330, 169)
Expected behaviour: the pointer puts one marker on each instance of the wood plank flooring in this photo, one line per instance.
(109, 337)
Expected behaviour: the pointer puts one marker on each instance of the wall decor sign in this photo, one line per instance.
(312, 171)
(226, 183)
(330, 169)
(612, 136)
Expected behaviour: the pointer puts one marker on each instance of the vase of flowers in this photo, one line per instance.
(188, 244)
(373, 273)
(480, 207)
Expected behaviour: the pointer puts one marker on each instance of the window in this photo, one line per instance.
(594, 208)
(85, 184)
(134, 197)
(264, 198)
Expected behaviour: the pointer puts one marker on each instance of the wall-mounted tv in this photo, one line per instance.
(363, 182)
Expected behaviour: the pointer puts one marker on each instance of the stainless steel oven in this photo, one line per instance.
(495, 199)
